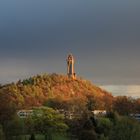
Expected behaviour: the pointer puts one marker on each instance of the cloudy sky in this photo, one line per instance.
(103, 35)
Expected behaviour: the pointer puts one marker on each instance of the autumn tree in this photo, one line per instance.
(91, 102)
(137, 105)
(108, 102)
(7, 107)
(123, 105)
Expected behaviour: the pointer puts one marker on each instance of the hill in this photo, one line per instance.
(39, 89)
(75, 99)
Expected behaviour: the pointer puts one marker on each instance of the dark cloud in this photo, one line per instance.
(35, 37)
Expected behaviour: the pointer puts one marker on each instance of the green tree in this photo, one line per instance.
(46, 121)
(125, 129)
(104, 126)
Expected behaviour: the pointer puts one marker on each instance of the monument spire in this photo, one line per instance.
(70, 67)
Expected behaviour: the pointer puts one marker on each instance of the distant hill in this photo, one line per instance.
(38, 89)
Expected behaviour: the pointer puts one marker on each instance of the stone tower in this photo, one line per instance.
(70, 66)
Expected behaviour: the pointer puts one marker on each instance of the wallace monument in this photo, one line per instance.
(70, 67)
